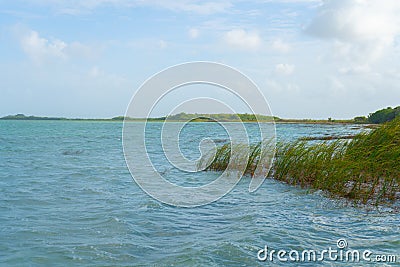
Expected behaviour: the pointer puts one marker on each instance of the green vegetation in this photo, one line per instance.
(175, 118)
(23, 117)
(221, 160)
(380, 116)
(361, 119)
(365, 169)
(377, 117)
(221, 117)
(384, 115)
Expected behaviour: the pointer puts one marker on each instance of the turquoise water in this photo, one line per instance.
(67, 199)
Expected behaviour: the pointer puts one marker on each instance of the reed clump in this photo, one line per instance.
(258, 157)
(365, 169)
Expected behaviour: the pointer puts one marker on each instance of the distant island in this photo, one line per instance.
(174, 118)
(380, 116)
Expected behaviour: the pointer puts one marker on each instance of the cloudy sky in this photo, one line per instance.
(310, 58)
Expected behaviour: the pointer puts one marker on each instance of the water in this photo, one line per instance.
(67, 198)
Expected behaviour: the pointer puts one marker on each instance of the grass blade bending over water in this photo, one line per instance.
(261, 151)
(365, 169)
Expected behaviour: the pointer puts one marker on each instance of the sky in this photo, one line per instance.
(310, 58)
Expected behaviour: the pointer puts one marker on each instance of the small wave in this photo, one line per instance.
(72, 152)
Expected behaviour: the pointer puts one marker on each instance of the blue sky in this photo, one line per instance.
(310, 58)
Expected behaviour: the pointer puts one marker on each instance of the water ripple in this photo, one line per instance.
(66, 198)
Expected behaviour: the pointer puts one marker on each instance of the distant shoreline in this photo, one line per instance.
(248, 118)
(159, 121)
(377, 117)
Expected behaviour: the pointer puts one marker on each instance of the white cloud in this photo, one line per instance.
(239, 38)
(40, 49)
(193, 33)
(362, 30)
(357, 20)
(285, 69)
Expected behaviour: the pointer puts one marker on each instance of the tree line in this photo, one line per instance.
(380, 116)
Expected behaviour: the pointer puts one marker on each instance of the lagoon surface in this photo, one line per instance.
(68, 199)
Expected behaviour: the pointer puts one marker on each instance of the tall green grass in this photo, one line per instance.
(258, 158)
(365, 169)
